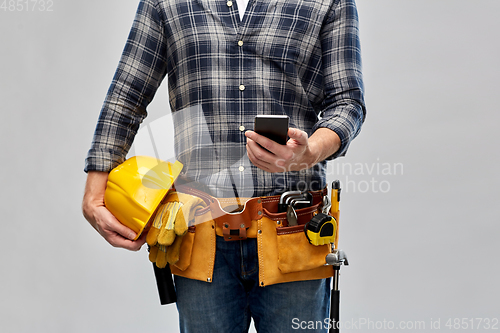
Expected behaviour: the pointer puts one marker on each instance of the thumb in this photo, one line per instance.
(298, 135)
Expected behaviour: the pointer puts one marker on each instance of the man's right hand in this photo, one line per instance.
(101, 218)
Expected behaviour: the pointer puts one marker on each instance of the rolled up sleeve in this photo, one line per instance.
(343, 108)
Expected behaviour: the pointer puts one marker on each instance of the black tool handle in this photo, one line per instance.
(166, 289)
(334, 312)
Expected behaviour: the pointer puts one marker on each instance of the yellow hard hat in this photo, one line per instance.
(136, 188)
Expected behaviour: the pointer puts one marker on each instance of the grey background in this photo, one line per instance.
(421, 235)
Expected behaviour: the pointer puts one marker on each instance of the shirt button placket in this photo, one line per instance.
(242, 86)
(240, 44)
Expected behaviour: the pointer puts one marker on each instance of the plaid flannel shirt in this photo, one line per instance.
(299, 58)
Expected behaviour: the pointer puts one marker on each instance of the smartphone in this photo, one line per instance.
(274, 127)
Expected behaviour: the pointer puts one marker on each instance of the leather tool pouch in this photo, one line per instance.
(197, 253)
(285, 254)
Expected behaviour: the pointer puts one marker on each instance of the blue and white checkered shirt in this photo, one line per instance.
(299, 58)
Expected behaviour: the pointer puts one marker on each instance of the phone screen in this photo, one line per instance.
(274, 127)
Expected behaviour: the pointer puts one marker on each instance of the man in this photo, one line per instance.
(224, 66)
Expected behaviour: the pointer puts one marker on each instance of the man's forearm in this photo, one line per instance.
(323, 143)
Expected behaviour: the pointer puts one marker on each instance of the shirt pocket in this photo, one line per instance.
(291, 34)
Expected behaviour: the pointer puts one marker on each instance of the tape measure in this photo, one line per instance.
(321, 229)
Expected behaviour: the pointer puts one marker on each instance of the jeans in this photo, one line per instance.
(228, 303)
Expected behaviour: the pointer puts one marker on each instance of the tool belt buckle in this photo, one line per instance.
(236, 233)
(234, 225)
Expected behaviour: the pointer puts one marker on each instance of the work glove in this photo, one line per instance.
(169, 226)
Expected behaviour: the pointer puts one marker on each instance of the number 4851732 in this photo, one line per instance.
(472, 323)
(27, 5)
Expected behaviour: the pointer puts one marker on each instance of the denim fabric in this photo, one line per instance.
(228, 303)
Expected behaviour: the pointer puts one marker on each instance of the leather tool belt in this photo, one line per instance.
(284, 253)
(238, 225)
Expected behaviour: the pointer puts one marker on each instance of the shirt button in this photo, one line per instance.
(240, 43)
(241, 168)
(242, 87)
(242, 128)
(229, 3)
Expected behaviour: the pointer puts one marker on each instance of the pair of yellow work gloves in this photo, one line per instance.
(170, 225)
